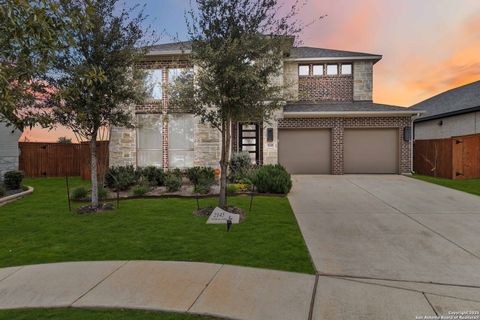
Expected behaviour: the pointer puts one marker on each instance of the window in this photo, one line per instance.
(154, 83)
(303, 70)
(180, 140)
(332, 69)
(174, 73)
(346, 68)
(149, 140)
(318, 70)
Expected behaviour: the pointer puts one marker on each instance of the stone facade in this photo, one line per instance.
(338, 125)
(362, 80)
(207, 145)
(9, 151)
(123, 145)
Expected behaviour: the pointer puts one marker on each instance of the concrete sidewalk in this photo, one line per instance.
(187, 287)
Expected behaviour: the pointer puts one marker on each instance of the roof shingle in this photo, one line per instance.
(458, 100)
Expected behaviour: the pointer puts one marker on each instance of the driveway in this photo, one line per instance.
(389, 246)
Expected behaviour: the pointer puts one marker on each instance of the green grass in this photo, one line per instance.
(81, 314)
(470, 185)
(39, 229)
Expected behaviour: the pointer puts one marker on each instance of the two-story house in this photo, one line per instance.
(328, 125)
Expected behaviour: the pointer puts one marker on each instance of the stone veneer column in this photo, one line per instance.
(270, 149)
(206, 145)
(362, 80)
(123, 144)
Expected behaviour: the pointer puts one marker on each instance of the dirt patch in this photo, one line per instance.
(104, 207)
(205, 212)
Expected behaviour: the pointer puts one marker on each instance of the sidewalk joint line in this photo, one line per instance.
(416, 221)
(334, 275)
(205, 288)
(430, 304)
(314, 294)
(100, 282)
(11, 274)
(402, 288)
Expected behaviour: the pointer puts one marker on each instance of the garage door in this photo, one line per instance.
(371, 151)
(305, 151)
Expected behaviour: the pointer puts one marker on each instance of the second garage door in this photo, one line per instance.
(371, 151)
(305, 151)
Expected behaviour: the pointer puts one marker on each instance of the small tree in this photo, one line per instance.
(97, 77)
(30, 33)
(238, 47)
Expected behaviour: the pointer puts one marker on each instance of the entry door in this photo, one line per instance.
(249, 140)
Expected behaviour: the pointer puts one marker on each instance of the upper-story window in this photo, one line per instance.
(318, 69)
(174, 73)
(303, 70)
(346, 68)
(154, 83)
(332, 69)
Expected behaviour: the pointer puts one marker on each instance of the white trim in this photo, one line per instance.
(15, 196)
(335, 58)
(321, 114)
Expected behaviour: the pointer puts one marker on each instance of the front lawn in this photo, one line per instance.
(39, 229)
(470, 185)
(81, 314)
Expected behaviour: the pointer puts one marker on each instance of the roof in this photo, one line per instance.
(296, 53)
(460, 100)
(299, 53)
(171, 48)
(357, 108)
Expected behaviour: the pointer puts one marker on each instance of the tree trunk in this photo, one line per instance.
(94, 174)
(225, 155)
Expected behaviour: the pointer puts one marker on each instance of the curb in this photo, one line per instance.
(16, 196)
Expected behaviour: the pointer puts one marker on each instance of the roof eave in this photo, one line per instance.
(327, 114)
(168, 52)
(448, 114)
(375, 58)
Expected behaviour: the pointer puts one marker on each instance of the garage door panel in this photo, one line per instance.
(371, 151)
(305, 151)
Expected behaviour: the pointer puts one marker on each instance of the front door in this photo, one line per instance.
(249, 140)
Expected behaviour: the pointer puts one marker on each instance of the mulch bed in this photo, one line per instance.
(103, 207)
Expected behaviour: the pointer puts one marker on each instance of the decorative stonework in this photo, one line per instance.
(123, 145)
(362, 80)
(337, 125)
(206, 145)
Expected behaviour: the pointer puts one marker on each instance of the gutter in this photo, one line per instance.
(326, 114)
(168, 52)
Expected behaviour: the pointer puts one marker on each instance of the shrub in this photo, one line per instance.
(79, 193)
(122, 177)
(102, 193)
(155, 176)
(273, 179)
(197, 174)
(2, 191)
(13, 180)
(177, 173)
(140, 190)
(231, 188)
(243, 187)
(173, 182)
(240, 165)
(203, 185)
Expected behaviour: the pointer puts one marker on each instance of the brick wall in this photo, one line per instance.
(337, 125)
(325, 88)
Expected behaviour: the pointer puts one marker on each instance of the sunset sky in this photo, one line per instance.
(428, 46)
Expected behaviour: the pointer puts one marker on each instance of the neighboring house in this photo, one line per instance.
(329, 124)
(9, 151)
(452, 113)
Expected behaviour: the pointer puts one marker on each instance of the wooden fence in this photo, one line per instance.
(58, 160)
(452, 158)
